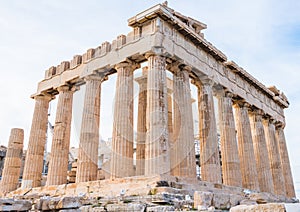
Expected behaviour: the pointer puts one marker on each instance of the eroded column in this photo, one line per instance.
(245, 146)
(87, 164)
(157, 139)
(122, 140)
(12, 163)
(285, 162)
(229, 150)
(183, 149)
(209, 150)
(32, 174)
(264, 173)
(274, 157)
(141, 123)
(59, 157)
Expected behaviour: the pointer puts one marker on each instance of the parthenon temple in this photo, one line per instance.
(248, 150)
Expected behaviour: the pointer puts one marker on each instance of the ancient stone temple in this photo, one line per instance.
(252, 153)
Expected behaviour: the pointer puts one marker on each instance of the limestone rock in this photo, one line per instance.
(47, 203)
(69, 202)
(203, 198)
(136, 207)
(161, 208)
(248, 202)
(235, 199)
(14, 205)
(274, 207)
(221, 201)
(263, 197)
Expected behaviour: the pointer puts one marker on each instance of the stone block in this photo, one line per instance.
(272, 207)
(263, 197)
(98, 209)
(202, 198)
(161, 208)
(68, 203)
(121, 40)
(131, 207)
(221, 201)
(14, 205)
(77, 60)
(47, 203)
(235, 199)
(105, 48)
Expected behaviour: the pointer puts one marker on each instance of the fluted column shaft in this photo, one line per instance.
(285, 162)
(33, 168)
(12, 163)
(209, 150)
(122, 140)
(264, 173)
(274, 157)
(87, 165)
(183, 161)
(141, 124)
(58, 165)
(245, 146)
(229, 150)
(157, 140)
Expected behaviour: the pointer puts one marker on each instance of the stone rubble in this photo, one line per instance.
(161, 193)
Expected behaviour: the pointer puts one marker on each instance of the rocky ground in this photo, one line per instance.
(156, 193)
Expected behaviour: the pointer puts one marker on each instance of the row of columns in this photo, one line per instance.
(246, 141)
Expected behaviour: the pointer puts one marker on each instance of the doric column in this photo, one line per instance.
(183, 149)
(245, 146)
(87, 164)
(264, 173)
(59, 157)
(141, 123)
(285, 162)
(274, 157)
(208, 138)
(231, 169)
(32, 174)
(157, 139)
(12, 163)
(122, 139)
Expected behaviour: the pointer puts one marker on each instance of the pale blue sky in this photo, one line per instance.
(261, 36)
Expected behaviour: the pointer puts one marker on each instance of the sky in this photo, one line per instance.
(263, 37)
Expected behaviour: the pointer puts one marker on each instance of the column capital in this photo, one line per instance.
(156, 51)
(242, 104)
(95, 77)
(43, 96)
(279, 125)
(127, 64)
(220, 91)
(179, 66)
(71, 88)
(257, 112)
(269, 119)
(203, 81)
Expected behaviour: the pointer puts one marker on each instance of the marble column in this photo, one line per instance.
(231, 170)
(87, 164)
(245, 146)
(264, 173)
(33, 168)
(183, 162)
(274, 156)
(58, 166)
(12, 163)
(122, 139)
(285, 162)
(157, 152)
(208, 138)
(141, 123)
